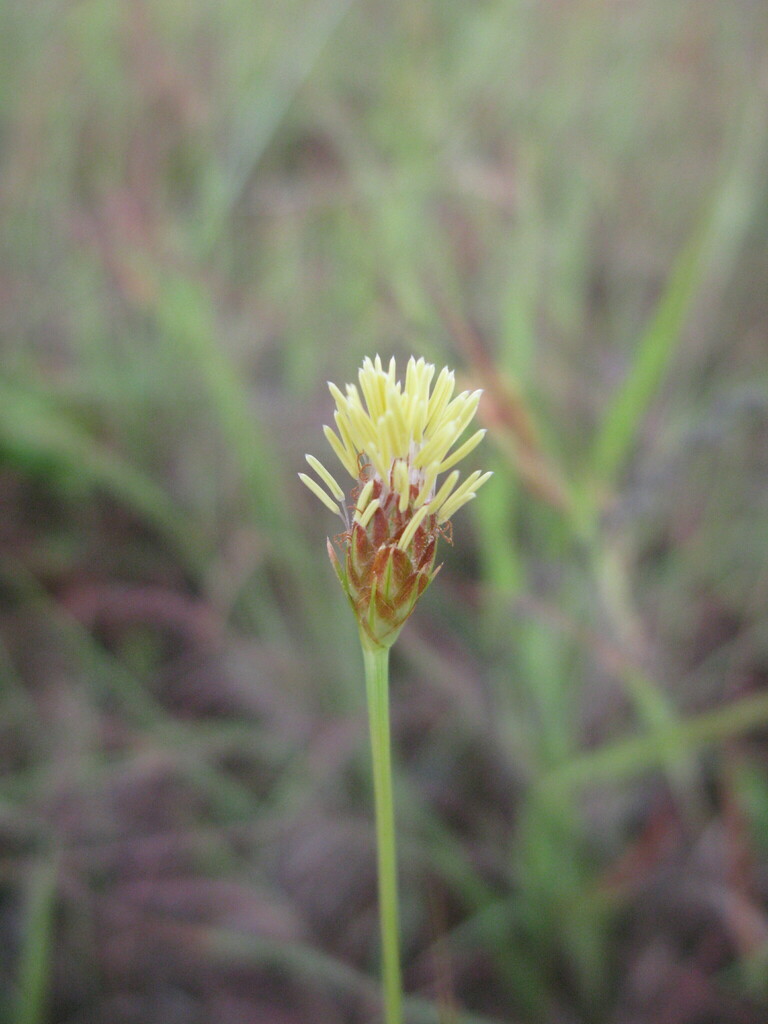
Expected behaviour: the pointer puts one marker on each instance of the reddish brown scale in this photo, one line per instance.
(354, 495)
(333, 556)
(398, 522)
(417, 544)
(384, 609)
(363, 546)
(428, 554)
(359, 556)
(355, 576)
(382, 581)
(380, 562)
(407, 589)
(386, 506)
(401, 566)
(379, 528)
(422, 538)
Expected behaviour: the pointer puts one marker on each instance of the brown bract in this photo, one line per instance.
(381, 580)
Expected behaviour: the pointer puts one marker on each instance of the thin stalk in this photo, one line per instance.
(377, 688)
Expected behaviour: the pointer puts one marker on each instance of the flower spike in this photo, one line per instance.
(395, 439)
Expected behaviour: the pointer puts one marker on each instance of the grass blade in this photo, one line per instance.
(34, 432)
(651, 362)
(628, 758)
(36, 950)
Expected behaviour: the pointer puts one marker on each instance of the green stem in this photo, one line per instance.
(377, 687)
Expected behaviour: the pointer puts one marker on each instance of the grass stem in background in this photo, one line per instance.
(35, 960)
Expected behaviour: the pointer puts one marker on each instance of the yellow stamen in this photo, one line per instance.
(437, 446)
(462, 451)
(363, 499)
(345, 457)
(429, 481)
(447, 486)
(317, 490)
(377, 461)
(401, 484)
(326, 477)
(463, 494)
(410, 531)
(400, 433)
(440, 396)
(366, 517)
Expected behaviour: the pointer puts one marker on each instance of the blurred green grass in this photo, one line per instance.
(210, 209)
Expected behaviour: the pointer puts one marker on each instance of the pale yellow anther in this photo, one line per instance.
(396, 405)
(382, 442)
(465, 493)
(341, 419)
(360, 426)
(420, 410)
(381, 467)
(440, 397)
(445, 489)
(377, 381)
(404, 436)
(337, 396)
(465, 488)
(318, 491)
(326, 477)
(410, 531)
(352, 397)
(430, 475)
(345, 457)
(466, 413)
(411, 371)
(363, 499)
(394, 434)
(434, 450)
(462, 451)
(450, 510)
(401, 484)
(381, 388)
(369, 385)
(366, 517)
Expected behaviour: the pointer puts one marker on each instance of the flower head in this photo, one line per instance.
(395, 440)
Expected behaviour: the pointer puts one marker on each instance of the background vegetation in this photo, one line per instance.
(210, 208)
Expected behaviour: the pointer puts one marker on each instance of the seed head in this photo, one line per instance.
(395, 440)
